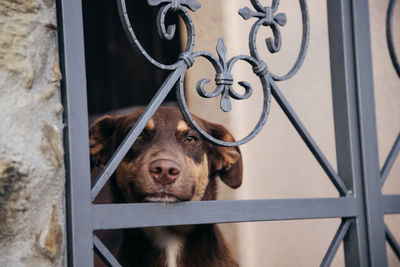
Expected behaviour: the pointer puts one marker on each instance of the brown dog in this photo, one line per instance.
(169, 162)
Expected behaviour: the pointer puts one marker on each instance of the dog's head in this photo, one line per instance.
(169, 161)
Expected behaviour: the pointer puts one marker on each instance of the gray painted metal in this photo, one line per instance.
(224, 77)
(392, 242)
(104, 253)
(389, 36)
(358, 180)
(391, 204)
(368, 136)
(337, 240)
(355, 128)
(305, 135)
(154, 214)
(394, 152)
(266, 16)
(136, 130)
(80, 243)
(344, 95)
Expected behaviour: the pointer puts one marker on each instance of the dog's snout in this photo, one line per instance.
(164, 171)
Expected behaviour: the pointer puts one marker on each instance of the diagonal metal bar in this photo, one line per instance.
(104, 253)
(392, 242)
(305, 135)
(390, 160)
(337, 240)
(136, 130)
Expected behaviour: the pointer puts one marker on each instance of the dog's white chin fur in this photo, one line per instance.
(168, 199)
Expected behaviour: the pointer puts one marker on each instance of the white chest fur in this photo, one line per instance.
(169, 242)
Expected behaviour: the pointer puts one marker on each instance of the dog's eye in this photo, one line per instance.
(191, 139)
(141, 137)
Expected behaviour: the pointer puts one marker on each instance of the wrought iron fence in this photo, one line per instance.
(361, 204)
(396, 146)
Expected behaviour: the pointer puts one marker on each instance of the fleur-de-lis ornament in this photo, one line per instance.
(224, 81)
(267, 14)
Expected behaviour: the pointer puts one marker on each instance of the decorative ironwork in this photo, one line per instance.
(389, 36)
(394, 152)
(167, 33)
(356, 144)
(224, 79)
(267, 18)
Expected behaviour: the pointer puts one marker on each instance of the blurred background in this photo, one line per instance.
(277, 163)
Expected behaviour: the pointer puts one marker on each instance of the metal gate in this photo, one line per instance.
(361, 205)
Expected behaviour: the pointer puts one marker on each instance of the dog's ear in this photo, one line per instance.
(103, 141)
(102, 134)
(226, 162)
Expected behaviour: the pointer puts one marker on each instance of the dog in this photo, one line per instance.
(169, 162)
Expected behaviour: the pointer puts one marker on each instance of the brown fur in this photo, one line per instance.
(195, 165)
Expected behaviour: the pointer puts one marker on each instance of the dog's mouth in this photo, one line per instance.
(161, 197)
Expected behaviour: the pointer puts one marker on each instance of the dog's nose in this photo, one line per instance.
(164, 171)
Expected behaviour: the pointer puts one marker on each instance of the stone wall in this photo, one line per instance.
(32, 219)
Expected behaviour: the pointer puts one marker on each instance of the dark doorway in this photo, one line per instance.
(117, 77)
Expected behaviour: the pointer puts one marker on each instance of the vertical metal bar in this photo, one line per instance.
(345, 118)
(368, 134)
(71, 49)
(355, 128)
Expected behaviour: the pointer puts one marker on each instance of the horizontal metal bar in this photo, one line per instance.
(137, 129)
(104, 253)
(391, 203)
(305, 135)
(390, 160)
(337, 240)
(392, 242)
(117, 216)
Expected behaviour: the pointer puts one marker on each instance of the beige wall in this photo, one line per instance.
(277, 162)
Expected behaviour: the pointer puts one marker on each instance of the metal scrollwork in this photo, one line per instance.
(267, 18)
(389, 36)
(167, 33)
(175, 6)
(224, 80)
